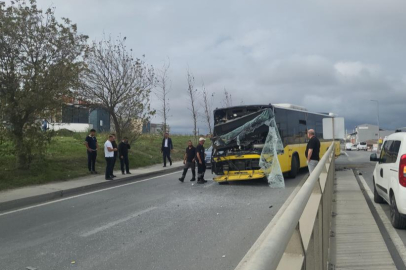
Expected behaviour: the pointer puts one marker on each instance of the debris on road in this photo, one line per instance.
(31, 268)
(271, 206)
(224, 256)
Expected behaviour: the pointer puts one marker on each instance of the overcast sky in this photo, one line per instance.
(328, 56)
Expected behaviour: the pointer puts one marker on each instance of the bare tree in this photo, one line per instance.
(162, 93)
(208, 107)
(193, 95)
(120, 84)
(227, 102)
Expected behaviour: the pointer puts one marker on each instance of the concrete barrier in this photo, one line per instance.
(300, 238)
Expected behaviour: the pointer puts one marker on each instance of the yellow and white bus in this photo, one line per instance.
(240, 160)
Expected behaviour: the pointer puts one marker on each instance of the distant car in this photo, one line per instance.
(389, 177)
(354, 147)
(362, 146)
(348, 146)
(208, 156)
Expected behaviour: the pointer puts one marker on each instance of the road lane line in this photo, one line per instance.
(114, 223)
(397, 241)
(84, 194)
(346, 154)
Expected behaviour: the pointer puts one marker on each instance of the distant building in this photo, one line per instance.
(152, 128)
(368, 132)
(99, 118)
(78, 116)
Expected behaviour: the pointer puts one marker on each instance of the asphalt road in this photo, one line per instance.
(158, 223)
(359, 160)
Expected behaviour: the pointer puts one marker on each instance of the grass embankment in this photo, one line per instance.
(66, 158)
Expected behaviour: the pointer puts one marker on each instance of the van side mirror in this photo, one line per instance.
(373, 157)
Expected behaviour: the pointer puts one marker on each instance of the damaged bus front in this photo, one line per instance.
(247, 138)
(245, 142)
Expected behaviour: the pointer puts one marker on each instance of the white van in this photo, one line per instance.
(362, 146)
(389, 177)
(348, 146)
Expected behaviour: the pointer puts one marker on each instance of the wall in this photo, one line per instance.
(367, 132)
(71, 127)
(100, 119)
(370, 132)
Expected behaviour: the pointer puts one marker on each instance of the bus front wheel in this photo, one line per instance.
(295, 166)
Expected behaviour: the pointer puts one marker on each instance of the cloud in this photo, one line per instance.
(324, 55)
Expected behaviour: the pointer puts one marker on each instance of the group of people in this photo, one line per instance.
(192, 156)
(111, 152)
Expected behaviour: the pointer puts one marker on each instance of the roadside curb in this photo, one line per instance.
(27, 201)
(393, 234)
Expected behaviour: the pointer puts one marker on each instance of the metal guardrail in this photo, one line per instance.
(300, 238)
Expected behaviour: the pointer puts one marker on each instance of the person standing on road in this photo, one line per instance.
(123, 151)
(114, 143)
(312, 150)
(166, 148)
(189, 161)
(109, 155)
(92, 146)
(201, 165)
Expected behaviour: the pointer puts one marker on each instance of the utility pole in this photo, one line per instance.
(377, 119)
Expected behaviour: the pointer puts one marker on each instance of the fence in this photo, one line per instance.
(300, 237)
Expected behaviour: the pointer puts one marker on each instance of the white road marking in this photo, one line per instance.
(397, 241)
(84, 194)
(346, 154)
(114, 223)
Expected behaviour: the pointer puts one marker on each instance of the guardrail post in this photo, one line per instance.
(294, 255)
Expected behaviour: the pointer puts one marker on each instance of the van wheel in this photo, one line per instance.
(377, 198)
(295, 167)
(398, 221)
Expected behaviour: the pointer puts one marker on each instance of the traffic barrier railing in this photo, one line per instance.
(300, 237)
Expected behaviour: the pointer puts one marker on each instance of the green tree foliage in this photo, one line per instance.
(40, 61)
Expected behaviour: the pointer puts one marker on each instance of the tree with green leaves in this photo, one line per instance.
(40, 62)
(120, 84)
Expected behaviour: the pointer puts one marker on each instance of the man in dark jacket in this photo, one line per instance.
(189, 161)
(201, 161)
(92, 146)
(312, 150)
(114, 143)
(123, 151)
(166, 148)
